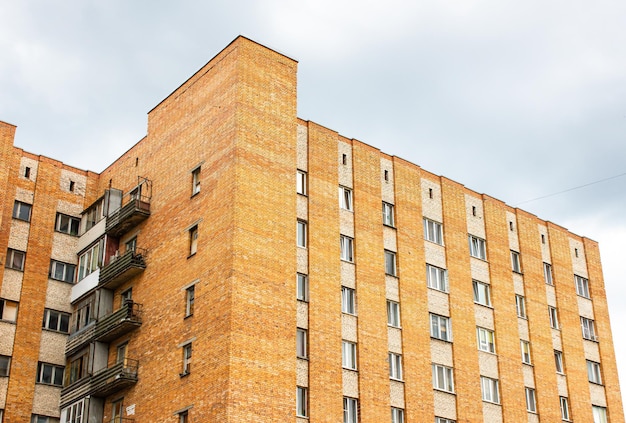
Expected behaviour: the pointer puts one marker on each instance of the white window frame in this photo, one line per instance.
(599, 414)
(397, 415)
(59, 318)
(564, 408)
(348, 355)
(443, 378)
(437, 278)
(547, 273)
(302, 347)
(520, 306)
(477, 247)
(350, 410)
(554, 317)
(301, 233)
(187, 355)
(395, 366)
(433, 231)
(22, 211)
(8, 310)
(388, 214)
(516, 263)
(525, 349)
(486, 340)
(302, 402)
(440, 327)
(302, 287)
(74, 413)
(16, 259)
(531, 400)
(301, 182)
(558, 362)
(195, 180)
(393, 314)
(391, 267)
(482, 293)
(5, 365)
(594, 372)
(490, 389)
(582, 286)
(347, 248)
(67, 224)
(190, 299)
(588, 327)
(345, 198)
(54, 372)
(444, 420)
(61, 271)
(90, 260)
(348, 300)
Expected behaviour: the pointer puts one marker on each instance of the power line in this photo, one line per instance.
(571, 189)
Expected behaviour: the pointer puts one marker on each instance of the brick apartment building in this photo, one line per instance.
(239, 264)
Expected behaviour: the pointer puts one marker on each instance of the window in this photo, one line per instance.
(93, 215)
(117, 410)
(15, 259)
(301, 402)
(388, 218)
(440, 327)
(82, 316)
(350, 410)
(348, 300)
(187, 352)
(347, 248)
(437, 278)
(520, 306)
(547, 273)
(599, 414)
(395, 366)
(433, 231)
(67, 224)
(564, 408)
(393, 314)
(183, 416)
(22, 211)
(8, 310)
(397, 415)
(525, 346)
(554, 319)
(62, 271)
(77, 368)
(301, 234)
(121, 353)
(477, 247)
(582, 286)
(489, 389)
(386, 175)
(302, 287)
(348, 355)
(593, 372)
(301, 343)
(442, 420)
(482, 293)
(301, 182)
(56, 320)
(72, 186)
(74, 413)
(344, 159)
(589, 329)
(190, 298)
(345, 198)
(390, 263)
(515, 262)
(90, 260)
(558, 362)
(442, 378)
(131, 244)
(193, 240)
(26, 175)
(36, 418)
(126, 296)
(195, 181)
(486, 340)
(50, 374)
(5, 365)
(531, 400)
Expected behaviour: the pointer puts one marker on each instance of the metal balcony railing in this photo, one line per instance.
(121, 269)
(135, 211)
(118, 323)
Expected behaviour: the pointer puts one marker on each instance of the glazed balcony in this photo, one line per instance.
(102, 383)
(118, 323)
(121, 269)
(135, 211)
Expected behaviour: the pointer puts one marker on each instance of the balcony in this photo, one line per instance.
(121, 269)
(128, 216)
(118, 323)
(102, 383)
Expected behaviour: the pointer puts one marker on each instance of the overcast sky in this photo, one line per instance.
(518, 100)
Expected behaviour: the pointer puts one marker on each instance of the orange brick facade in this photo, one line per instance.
(208, 212)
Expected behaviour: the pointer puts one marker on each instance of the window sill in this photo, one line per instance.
(11, 322)
(479, 258)
(439, 290)
(444, 391)
(488, 352)
(13, 268)
(55, 331)
(49, 384)
(528, 364)
(389, 226)
(301, 300)
(195, 194)
(396, 380)
(347, 261)
(395, 327)
(302, 358)
(191, 255)
(439, 339)
(348, 314)
(518, 272)
(393, 276)
(494, 403)
(484, 305)
(184, 374)
(434, 242)
(188, 316)
(349, 369)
